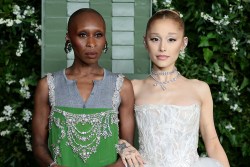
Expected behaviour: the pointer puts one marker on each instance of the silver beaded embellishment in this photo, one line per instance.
(162, 84)
(99, 124)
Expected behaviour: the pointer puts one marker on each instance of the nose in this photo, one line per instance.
(91, 42)
(162, 46)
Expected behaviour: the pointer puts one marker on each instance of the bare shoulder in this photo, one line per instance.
(127, 94)
(42, 82)
(42, 87)
(200, 86)
(127, 84)
(137, 82)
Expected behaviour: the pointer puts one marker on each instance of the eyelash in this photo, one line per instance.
(97, 35)
(157, 39)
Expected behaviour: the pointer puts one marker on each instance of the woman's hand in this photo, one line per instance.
(129, 155)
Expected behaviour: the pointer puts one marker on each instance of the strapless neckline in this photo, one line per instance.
(166, 105)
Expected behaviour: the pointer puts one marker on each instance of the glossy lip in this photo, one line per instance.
(162, 57)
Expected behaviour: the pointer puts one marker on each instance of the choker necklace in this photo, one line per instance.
(162, 84)
(163, 72)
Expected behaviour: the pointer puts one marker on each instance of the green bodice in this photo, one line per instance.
(83, 137)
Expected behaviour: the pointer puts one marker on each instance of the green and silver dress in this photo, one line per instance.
(84, 133)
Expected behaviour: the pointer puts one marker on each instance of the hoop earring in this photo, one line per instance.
(105, 49)
(67, 47)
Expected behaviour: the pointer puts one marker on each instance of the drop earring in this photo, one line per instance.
(105, 49)
(67, 47)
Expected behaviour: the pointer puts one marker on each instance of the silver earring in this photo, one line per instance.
(105, 49)
(67, 47)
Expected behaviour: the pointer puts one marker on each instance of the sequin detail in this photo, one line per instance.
(83, 142)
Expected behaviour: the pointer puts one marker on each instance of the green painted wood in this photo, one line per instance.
(54, 22)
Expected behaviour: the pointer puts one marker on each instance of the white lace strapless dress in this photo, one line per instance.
(168, 136)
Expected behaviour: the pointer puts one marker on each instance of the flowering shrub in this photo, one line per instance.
(218, 53)
(19, 70)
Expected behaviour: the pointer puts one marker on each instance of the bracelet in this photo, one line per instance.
(52, 163)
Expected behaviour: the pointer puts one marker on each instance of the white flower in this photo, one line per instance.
(19, 49)
(239, 109)
(10, 82)
(234, 107)
(24, 91)
(27, 142)
(2, 21)
(19, 125)
(234, 44)
(5, 132)
(22, 81)
(26, 115)
(2, 119)
(240, 7)
(224, 96)
(225, 16)
(16, 10)
(221, 78)
(8, 111)
(29, 11)
(17, 21)
(229, 127)
(20, 17)
(236, 21)
(9, 22)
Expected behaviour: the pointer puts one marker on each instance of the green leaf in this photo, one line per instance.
(208, 54)
(226, 66)
(211, 35)
(204, 42)
(244, 83)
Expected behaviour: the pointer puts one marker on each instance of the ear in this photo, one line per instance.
(145, 42)
(67, 37)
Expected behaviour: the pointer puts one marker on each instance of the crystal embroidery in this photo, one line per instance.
(83, 143)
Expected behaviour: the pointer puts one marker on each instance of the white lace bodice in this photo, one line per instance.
(168, 134)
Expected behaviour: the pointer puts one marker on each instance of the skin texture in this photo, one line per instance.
(164, 39)
(86, 32)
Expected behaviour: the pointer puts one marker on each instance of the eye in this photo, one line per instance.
(171, 39)
(154, 39)
(83, 34)
(99, 35)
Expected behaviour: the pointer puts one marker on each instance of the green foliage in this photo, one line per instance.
(218, 53)
(19, 71)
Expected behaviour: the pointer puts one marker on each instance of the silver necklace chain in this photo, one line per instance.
(162, 84)
(163, 72)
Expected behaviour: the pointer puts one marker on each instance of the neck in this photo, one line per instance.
(159, 72)
(76, 69)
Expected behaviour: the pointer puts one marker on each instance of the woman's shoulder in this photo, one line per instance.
(137, 82)
(199, 85)
(197, 82)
